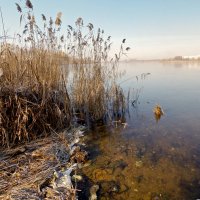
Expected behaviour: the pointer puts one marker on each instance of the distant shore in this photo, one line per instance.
(163, 60)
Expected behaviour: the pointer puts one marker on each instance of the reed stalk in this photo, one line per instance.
(49, 79)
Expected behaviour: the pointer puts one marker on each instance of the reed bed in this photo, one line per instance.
(33, 98)
(50, 78)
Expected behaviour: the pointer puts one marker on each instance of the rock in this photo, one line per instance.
(110, 187)
(93, 192)
(123, 188)
(77, 177)
(79, 156)
(138, 163)
(1, 72)
(140, 152)
(115, 189)
(118, 164)
(102, 174)
(139, 179)
(62, 154)
(87, 164)
(62, 179)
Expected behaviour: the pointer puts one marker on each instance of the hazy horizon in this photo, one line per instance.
(154, 30)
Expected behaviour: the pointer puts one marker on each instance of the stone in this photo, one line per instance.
(118, 164)
(102, 174)
(77, 177)
(79, 156)
(110, 187)
(93, 192)
(138, 163)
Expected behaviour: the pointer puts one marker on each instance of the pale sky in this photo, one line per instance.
(153, 28)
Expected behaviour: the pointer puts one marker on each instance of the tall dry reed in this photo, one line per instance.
(49, 77)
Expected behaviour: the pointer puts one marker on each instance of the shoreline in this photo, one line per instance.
(162, 61)
(42, 168)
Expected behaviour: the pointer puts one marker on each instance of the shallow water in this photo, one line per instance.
(151, 159)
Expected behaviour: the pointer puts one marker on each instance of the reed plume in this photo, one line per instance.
(29, 4)
(50, 80)
(58, 19)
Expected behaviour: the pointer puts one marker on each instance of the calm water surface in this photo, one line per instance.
(152, 159)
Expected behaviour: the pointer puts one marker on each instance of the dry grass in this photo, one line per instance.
(48, 79)
(33, 96)
(27, 171)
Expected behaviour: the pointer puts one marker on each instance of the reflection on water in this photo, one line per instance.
(147, 160)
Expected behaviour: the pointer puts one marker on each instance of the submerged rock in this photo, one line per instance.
(118, 164)
(102, 174)
(87, 164)
(138, 163)
(139, 179)
(140, 152)
(110, 189)
(123, 188)
(93, 192)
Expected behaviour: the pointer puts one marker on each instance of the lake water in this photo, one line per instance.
(150, 159)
